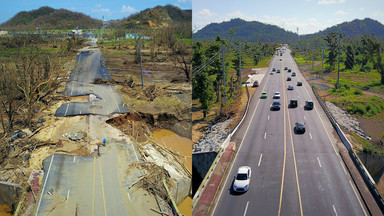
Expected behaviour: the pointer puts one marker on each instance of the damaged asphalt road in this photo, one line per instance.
(103, 100)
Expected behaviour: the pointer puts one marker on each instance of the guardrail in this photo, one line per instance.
(359, 165)
(224, 145)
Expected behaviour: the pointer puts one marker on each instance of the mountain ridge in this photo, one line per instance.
(254, 31)
(47, 18)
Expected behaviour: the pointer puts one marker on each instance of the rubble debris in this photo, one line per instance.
(74, 136)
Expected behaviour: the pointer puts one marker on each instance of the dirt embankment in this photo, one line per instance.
(163, 103)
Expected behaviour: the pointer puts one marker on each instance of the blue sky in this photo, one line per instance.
(309, 16)
(111, 9)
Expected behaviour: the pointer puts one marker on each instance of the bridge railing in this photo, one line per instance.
(359, 165)
(224, 145)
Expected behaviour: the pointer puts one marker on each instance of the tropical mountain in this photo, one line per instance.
(253, 31)
(247, 31)
(47, 18)
(353, 29)
(159, 16)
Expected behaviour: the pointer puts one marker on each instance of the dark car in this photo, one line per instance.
(278, 71)
(256, 84)
(299, 83)
(273, 69)
(285, 68)
(300, 127)
(276, 105)
(309, 104)
(289, 79)
(293, 74)
(289, 70)
(290, 87)
(293, 103)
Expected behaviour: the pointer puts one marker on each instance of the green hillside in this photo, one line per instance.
(47, 18)
(247, 31)
(254, 31)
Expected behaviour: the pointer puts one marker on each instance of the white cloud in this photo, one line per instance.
(205, 14)
(102, 10)
(362, 9)
(98, 5)
(327, 2)
(128, 9)
(182, 1)
(340, 13)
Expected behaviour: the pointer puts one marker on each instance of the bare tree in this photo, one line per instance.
(182, 58)
(10, 97)
(37, 78)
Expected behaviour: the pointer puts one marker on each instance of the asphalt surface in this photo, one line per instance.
(292, 174)
(88, 185)
(103, 100)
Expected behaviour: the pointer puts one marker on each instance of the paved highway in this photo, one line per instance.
(103, 100)
(292, 174)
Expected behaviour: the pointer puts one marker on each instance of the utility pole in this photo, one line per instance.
(313, 58)
(141, 67)
(102, 30)
(338, 67)
(239, 64)
(225, 99)
(322, 61)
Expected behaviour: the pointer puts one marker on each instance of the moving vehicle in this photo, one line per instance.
(309, 104)
(289, 79)
(242, 179)
(263, 95)
(278, 70)
(299, 83)
(290, 87)
(285, 68)
(289, 70)
(276, 95)
(293, 74)
(256, 83)
(293, 103)
(276, 105)
(273, 69)
(300, 127)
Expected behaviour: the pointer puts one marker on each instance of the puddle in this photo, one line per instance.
(175, 143)
(5, 210)
(185, 207)
(147, 73)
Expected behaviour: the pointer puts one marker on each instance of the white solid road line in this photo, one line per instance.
(265, 135)
(45, 182)
(115, 98)
(310, 135)
(66, 202)
(318, 160)
(305, 118)
(261, 156)
(74, 159)
(334, 209)
(246, 208)
(361, 205)
(66, 110)
(268, 117)
(241, 144)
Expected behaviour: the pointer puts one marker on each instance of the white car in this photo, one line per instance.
(276, 95)
(242, 179)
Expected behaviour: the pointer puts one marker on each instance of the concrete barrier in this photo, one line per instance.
(359, 165)
(224, 145)
(9, 193)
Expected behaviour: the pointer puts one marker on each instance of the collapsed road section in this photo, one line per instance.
(103, 100)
